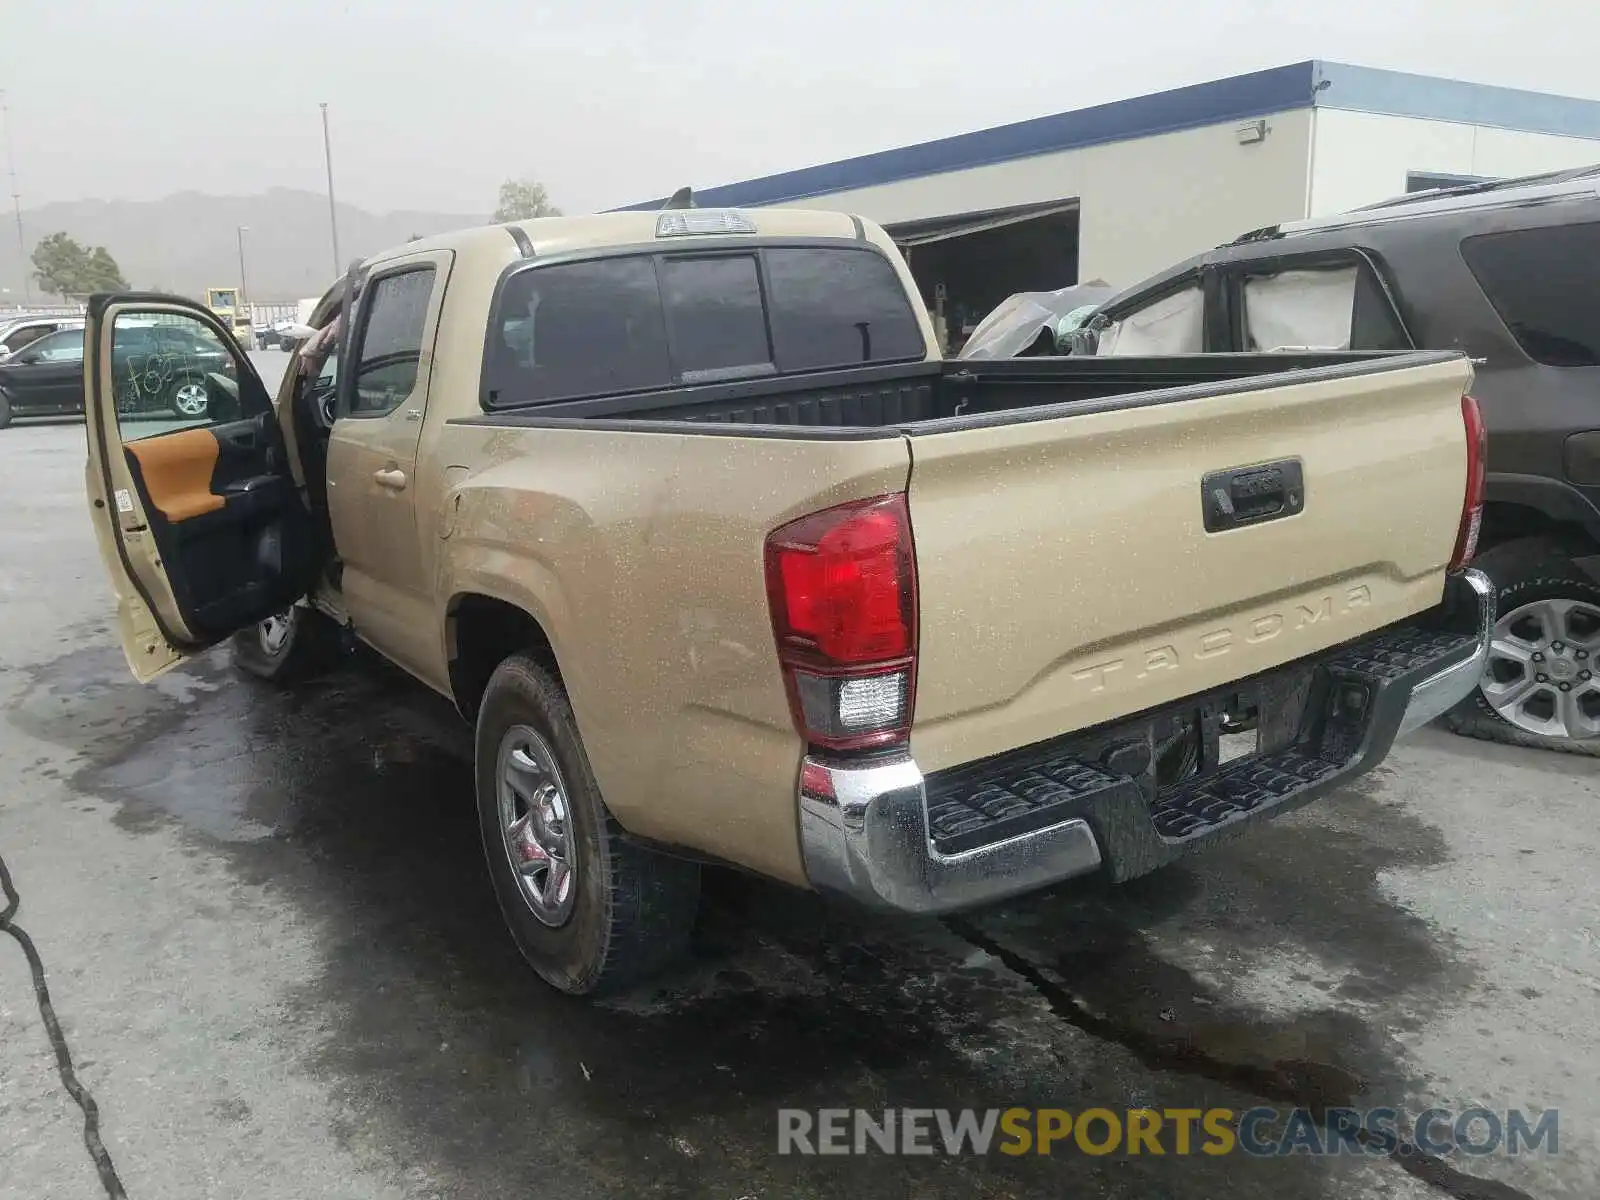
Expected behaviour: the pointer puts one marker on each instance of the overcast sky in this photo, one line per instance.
(611, 101)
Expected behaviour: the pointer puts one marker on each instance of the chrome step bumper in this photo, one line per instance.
(881, 833)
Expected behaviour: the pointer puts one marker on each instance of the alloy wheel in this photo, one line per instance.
(1541, 674)
(536, 825)
(190, 399)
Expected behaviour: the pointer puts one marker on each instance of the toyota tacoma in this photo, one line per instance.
(687, 516)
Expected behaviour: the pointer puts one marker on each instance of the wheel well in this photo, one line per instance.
(482, 633)
(1504, 521)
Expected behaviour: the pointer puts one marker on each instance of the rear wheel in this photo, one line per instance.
(294, 644)
(1541, 685)
(589, 910)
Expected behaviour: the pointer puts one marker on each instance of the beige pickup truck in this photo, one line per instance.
(686, 515)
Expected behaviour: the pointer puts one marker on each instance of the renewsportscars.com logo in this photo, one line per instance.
(1261, 1132)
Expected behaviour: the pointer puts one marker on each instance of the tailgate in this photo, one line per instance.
(1066, 575)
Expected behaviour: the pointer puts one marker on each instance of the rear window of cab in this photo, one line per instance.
(641, 322)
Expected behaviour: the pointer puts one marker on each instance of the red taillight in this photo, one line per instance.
(1477, 466)
(842, 584)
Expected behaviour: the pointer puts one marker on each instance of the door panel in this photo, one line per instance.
(200, 525)
(44, 387)
(60, 386)
(174, 473)
(373, 489)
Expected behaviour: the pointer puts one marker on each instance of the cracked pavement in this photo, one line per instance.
(281, 972)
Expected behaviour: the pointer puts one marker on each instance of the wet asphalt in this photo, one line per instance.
(279, 969)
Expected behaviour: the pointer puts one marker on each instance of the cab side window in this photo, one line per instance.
(173, 371)
(388, 354)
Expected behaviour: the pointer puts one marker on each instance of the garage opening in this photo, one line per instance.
(967, 263)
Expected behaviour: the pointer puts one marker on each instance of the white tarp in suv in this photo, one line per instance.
(1173, 324)
(1300, 310)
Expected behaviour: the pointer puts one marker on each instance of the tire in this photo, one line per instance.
(1533, 577)
(624, 911)
(306, 644)
(189, 399)
(5, 410)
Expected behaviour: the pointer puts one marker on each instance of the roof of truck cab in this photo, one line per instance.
(567, 235)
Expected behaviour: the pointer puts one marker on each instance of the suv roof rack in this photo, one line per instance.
(1482, 186)
(1573, 183)
(1265, 234)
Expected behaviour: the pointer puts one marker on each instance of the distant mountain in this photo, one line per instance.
(188, 242)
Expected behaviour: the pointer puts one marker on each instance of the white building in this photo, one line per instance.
(1120, 190)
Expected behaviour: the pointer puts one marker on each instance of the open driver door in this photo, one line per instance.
(200, 524)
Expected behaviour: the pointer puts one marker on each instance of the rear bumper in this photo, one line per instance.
(1441, 691)
(883, 834)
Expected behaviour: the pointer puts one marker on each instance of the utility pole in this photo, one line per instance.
(244, 290)
(16, 200)
(333, 212)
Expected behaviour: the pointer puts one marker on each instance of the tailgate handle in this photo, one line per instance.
(1250, 495)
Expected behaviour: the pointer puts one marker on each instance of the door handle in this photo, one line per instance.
(1250, 495)
(390, 477)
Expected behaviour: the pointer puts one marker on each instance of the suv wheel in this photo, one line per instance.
(189, 398)
(588, 909)
(1541, 686)
(5, 410)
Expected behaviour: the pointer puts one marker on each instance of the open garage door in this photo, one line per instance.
(966, 263)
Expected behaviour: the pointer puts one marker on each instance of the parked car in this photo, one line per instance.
(725, 564)
(17, 332)
(1505, 272)
(157, 368)
(282, 335)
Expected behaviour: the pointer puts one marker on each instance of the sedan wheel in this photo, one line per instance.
(1541, 670)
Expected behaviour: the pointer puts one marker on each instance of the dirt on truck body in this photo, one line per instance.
(686, 514)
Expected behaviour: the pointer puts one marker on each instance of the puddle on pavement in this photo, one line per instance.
(352, 796)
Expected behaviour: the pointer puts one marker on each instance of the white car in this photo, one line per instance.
(17, 332)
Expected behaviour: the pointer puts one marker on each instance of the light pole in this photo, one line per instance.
(244, 290)
(16, 201)
(333, 213)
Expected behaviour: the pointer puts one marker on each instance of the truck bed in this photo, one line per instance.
(1093, 539)
(938, 396)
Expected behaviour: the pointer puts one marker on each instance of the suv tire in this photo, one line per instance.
(189, 399)
(1530, 574)
(5, 410)
(589, 910)
(296, 644)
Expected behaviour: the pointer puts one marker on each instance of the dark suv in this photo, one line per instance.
(1508, 272)
(165, 369)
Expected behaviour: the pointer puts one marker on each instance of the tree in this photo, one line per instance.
(63, 267)
(521, 199)
(104, 274)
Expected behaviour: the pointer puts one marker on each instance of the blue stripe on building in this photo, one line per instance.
(1241, 97)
